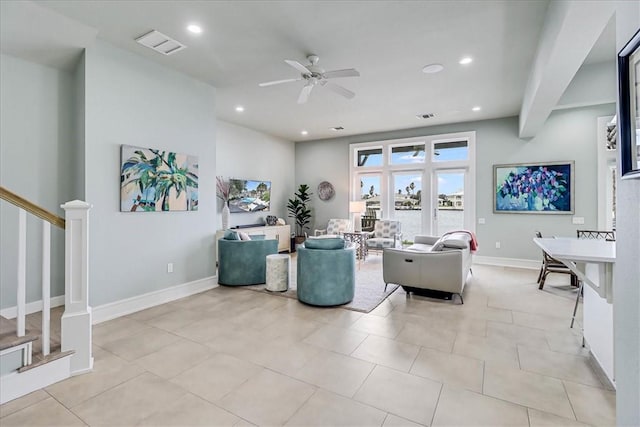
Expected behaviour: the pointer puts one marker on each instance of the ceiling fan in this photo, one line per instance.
(314, 75)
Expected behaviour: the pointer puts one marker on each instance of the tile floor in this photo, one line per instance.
(235, 357)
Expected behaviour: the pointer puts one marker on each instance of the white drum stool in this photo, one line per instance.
(278, 272)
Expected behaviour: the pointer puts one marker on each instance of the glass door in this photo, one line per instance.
(371, 192)
(448, 211)
(407, 203)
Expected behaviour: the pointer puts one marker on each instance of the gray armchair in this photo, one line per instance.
(437, 264)
(386, 234)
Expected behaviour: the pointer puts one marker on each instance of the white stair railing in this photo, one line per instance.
(21, 292)
(76, 320)
(46, 288)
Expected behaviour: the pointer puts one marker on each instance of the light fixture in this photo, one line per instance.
(466, 60)
(239, 108)
(195, 29)
(476, 108)
(357, 208)
(432, 68)
(304, 133)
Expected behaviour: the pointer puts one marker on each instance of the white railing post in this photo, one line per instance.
(21, 291)
(76, 320)
(46, 287)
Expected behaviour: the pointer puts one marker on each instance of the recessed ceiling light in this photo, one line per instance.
(466, 60)
(195, 29)
(239, 108)
(476, 108)
(432, 68)
(304, 133)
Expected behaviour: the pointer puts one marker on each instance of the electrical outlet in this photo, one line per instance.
(480, 220)
(170, 267)
(578, 220)
(497, 245)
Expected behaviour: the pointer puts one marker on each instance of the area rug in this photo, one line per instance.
(369, 292)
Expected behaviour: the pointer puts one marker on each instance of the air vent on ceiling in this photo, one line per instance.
(425, 116)
(160, 43)
(337, 128)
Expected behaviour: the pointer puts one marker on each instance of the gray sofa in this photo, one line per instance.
(431, 263)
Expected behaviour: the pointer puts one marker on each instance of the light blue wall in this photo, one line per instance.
(324, 161)
(37, 161)
(567, 135)
(248, 154)
(130, 100)
(626, 286)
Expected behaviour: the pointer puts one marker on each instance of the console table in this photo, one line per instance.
(592, 261)
(281, 233)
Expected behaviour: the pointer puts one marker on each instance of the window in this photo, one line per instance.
(370, 157)
(407, 154)
(405, 180)
(448, 151)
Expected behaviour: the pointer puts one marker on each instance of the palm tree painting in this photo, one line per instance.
(156, 180)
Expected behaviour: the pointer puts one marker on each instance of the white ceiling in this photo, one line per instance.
(245, 43)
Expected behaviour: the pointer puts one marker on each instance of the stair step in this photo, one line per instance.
(39, 360)
(9, 339)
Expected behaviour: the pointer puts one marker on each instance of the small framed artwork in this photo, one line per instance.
(629, 107)
(534, 188)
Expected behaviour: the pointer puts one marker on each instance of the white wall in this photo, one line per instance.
(567, 135)
(37, 161)
(130, 100)
(247, 154)
(626, 299)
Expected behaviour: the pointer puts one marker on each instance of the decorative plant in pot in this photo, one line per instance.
(223, 190)
(298, 210)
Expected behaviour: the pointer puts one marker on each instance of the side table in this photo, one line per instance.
(278, 272)
(359, 238)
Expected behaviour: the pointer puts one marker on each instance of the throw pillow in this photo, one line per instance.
(244, 236)
(231, 235)
(331, 243)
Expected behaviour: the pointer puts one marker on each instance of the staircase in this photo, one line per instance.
(50, 345)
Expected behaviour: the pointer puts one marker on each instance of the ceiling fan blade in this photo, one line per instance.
(277, 82)
(298, 66)
(338, 89)
(304, 94)
(349, 72)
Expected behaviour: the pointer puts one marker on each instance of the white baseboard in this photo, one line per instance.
(507, 262)
(17, 384)
(112, 310)
(31, 307)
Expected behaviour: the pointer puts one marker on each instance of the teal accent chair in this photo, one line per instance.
(326, 277)
(244, 262)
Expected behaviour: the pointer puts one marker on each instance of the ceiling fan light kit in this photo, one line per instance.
(313, 75)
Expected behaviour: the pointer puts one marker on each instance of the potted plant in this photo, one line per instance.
(298, 210)
(223, 190)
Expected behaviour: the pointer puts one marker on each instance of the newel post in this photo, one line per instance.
(76, 320)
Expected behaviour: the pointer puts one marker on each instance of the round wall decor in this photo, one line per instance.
(325, 190)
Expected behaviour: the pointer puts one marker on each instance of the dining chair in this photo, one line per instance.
(596, 234)
(552, 265)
